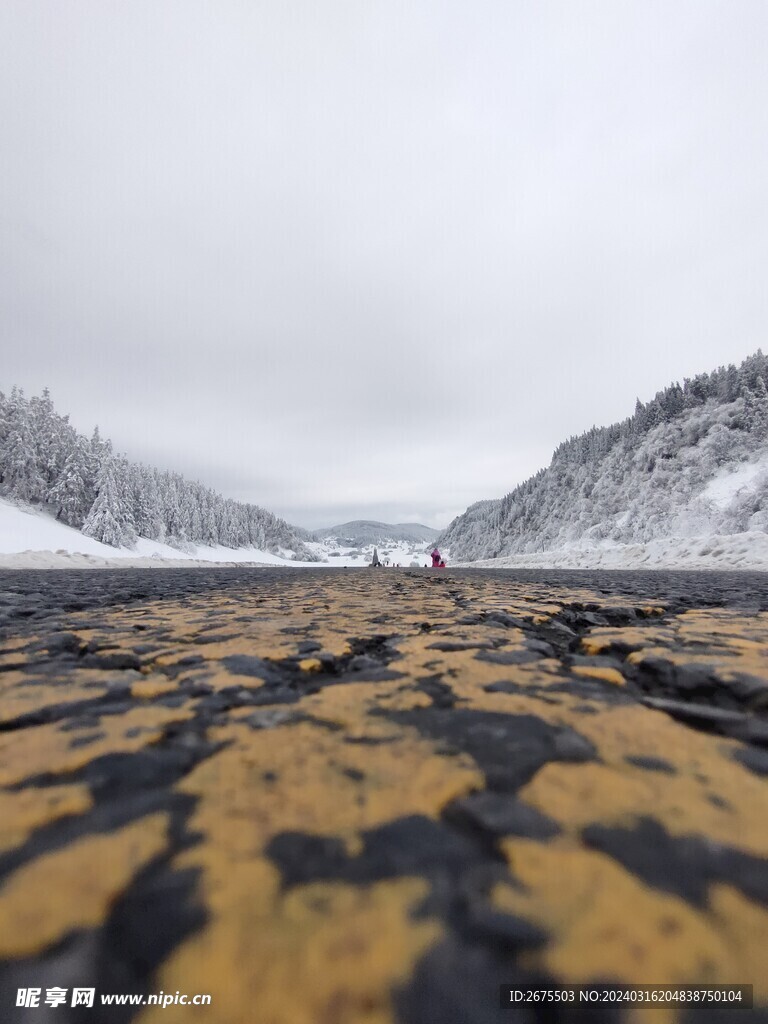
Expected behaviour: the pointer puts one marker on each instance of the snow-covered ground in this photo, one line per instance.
(734, 551)
(31, 539)
(731, 483)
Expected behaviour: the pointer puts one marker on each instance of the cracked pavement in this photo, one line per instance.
(336, 796)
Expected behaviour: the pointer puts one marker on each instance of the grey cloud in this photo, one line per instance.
(379, 256)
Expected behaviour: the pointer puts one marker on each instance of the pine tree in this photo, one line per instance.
(108, 520)
(69, 495)
(146, 503)
(45, 427)
(5, 426)
(21, 475)
(760, 423)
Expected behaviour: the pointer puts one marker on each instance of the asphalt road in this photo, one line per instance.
(38, 593)
(343, 795)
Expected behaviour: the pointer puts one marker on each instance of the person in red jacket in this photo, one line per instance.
(436, 558)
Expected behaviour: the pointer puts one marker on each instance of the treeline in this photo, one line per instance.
(724, 385)
(639, 479)
(85, 484)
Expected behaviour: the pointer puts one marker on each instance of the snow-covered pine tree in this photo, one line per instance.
(760, 426)
(69, 495)
(109, 520)
(171, 508)
(5, 427)
(145, 500)
(210, 534)
(47, 429)
(21, 476)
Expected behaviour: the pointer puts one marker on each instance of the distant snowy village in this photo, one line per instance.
(682, 482)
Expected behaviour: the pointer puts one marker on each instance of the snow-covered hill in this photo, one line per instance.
(44, 462)
(30, 538)
(364, 531)
(691, 466)
(718, 551)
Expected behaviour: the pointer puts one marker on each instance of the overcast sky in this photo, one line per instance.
(372, 258)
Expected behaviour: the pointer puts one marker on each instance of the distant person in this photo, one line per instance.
(436, 558)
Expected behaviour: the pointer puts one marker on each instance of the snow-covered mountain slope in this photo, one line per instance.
(692, 463)
(30, 538)
(84, 484)
(719, 551)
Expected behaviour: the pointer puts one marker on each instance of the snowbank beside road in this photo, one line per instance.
(731, 551)
(75, 560)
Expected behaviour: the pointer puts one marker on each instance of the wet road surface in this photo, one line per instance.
(338, 796)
